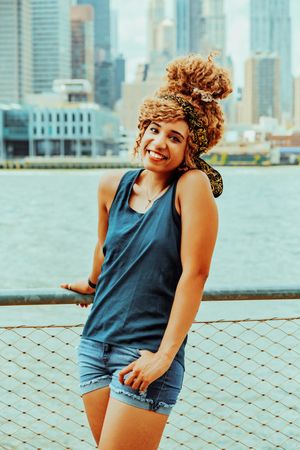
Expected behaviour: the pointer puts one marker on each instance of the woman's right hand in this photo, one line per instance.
(82, 287)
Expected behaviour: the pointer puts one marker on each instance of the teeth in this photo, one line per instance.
(155, 155)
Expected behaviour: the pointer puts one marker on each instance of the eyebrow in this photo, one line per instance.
(172, 131)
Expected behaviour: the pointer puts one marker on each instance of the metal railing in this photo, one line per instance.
(241, 387)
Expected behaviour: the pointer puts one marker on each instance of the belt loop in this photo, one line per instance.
(107, 347)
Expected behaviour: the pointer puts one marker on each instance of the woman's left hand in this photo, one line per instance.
(145, 370)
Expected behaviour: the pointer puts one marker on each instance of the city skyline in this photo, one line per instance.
(133, 44)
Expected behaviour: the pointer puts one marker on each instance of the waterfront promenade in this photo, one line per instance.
(100, 162)
(106, 162)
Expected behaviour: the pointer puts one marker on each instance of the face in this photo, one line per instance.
(163, 145)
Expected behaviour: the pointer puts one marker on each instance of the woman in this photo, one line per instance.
(156, 234)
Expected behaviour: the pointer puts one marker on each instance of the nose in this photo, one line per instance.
(160, 140)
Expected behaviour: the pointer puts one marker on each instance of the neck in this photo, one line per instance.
(157, 182)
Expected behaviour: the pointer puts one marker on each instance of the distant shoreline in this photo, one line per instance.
(111, 163)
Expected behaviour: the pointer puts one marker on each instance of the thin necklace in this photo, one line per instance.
(151, 199)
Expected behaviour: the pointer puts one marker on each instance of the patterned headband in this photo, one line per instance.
(200, 138)
(193, 121)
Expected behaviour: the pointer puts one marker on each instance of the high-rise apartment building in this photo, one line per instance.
(15, 50)
(270, 31)
(297, 102)
(155, 15)
(189, 26)
(214, 38)
(103, 66)
(114, 33)
(262, 87)
(182, 14)
(166, 39)
(119, 78)
(161, 39)
(51, 37)
(82, 24)
(200, 27)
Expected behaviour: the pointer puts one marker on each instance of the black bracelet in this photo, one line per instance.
(92, 285)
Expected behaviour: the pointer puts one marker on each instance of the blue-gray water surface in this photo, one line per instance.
(48, 227)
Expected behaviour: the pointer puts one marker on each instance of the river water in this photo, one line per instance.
(48, 228)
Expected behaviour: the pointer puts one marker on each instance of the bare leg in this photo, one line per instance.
(129, 428)
(95, 404)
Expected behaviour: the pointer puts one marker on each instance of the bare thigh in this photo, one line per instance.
(95, 404)
(130, 428)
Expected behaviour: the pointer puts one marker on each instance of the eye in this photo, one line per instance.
(153, 129)
(175, 139)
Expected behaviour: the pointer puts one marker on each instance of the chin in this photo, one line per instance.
(149, 165)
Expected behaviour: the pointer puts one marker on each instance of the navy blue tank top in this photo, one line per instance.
(140, 272)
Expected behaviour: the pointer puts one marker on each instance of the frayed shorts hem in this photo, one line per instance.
(92, 385)
(124, 396)
(134, 400)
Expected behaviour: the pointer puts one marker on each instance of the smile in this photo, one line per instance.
(156, 155)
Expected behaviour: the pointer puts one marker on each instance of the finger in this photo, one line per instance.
(137, 383)
(143, 386)
(122, 376)
(124, 371)
(130, 380)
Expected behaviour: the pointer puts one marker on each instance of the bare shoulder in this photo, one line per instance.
(111, 178)
(194, 176)
(192, 184)
(108, 185)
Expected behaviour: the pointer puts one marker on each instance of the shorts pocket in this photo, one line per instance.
(132, 351)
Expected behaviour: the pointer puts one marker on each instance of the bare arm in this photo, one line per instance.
(108, 185)
(103, 197)
(199, 231)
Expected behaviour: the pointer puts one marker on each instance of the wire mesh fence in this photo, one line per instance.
(241, 388)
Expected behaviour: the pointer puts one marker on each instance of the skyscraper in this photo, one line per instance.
(114, 33)
(270, 31)
(262, 82)
(161, 38)
(51, 37)
(156, 14)
(104, 70)
(82, 23)
(166, 39)
(182, 14)
(119, 78)
(15, 50)
(214, 28)
(189, 26)
(200, 27)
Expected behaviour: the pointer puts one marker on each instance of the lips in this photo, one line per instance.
(156, 155)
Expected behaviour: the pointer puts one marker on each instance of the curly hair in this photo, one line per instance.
(188, 77)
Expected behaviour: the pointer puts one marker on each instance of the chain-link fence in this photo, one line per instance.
(241, 388)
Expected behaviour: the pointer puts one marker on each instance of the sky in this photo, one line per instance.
(132, 33)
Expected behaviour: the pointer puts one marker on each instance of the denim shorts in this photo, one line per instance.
(100, 364)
